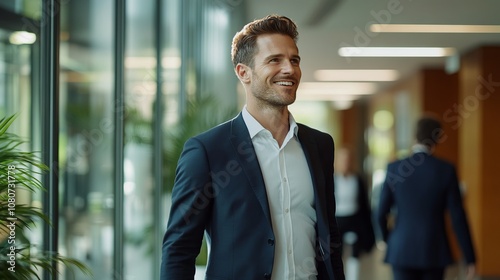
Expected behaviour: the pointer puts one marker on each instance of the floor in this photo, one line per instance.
(372, 267)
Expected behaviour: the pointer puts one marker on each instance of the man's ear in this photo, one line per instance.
(243, 72)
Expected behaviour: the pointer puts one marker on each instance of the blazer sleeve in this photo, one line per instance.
(188, 215)
(459, 218)
(386, 202)
(336, 239)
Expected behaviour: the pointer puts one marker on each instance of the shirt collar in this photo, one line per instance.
(254, 127)
(420, 148)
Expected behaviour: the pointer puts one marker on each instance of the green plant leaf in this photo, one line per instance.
(20, 170)
(6, 122)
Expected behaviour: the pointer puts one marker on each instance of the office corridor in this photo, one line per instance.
(372, 267)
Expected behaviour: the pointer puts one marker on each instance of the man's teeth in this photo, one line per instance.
(285, 83)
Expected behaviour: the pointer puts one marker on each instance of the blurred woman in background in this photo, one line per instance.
(353, 211)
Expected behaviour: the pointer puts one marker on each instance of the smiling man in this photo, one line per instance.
(272, 216)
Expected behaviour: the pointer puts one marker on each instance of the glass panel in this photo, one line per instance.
(199, 39)
(18, 97)
(171, 60)
(140, 90)
(15, 81)
(12, 5)
(28, 8)
(171, 78)
(86, 135)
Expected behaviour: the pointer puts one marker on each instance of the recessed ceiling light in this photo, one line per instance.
(349, 75)
(434, 28)
(395, 52)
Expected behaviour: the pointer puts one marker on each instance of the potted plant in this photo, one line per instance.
(19, 170)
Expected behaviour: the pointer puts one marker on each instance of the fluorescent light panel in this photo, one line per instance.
(434, 28)
(326, 91)
(341, 105)
(304, 96)
(349, 75)
(395, 52)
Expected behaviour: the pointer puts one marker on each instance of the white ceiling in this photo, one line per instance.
(326, 25)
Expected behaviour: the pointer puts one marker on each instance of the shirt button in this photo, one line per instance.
(284, 179)
(286, 210)
(289, 251)
(270, 241)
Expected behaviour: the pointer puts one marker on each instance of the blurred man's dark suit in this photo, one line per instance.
(422, 188)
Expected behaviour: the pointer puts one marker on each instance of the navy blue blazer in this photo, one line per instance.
(422, 188)
(219, 189)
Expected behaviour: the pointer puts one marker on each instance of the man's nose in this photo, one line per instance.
(288, 67)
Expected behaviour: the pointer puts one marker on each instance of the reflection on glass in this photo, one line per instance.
(86, 136)
(15, 76)
(140, 90)
(16, 98)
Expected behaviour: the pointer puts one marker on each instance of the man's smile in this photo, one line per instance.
(285, 83)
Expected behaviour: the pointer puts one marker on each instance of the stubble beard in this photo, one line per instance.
(269, 96)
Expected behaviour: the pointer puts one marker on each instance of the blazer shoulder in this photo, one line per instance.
(441, 163)
(216, 132)
(414, 159)
(395, 163)
(444, 162)
(315, 133)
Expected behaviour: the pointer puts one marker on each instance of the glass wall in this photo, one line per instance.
(112, 192)
(15, 80)
(140, 98)
(19, 95)
(17, 51)
(86, 134)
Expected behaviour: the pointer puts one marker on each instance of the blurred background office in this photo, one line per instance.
(107, 90)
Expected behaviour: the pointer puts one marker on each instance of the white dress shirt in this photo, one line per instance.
(346, 195)
(291, 200)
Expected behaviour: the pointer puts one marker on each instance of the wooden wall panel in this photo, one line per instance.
(479, 151)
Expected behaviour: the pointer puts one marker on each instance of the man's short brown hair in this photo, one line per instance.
(428, 130)
(244, 43)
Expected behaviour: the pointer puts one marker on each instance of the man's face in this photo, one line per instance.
(276, 73)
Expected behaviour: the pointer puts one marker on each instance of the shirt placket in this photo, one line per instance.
(286, 208)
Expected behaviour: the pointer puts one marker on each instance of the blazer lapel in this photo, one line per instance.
(246, 156)
(311, 152)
